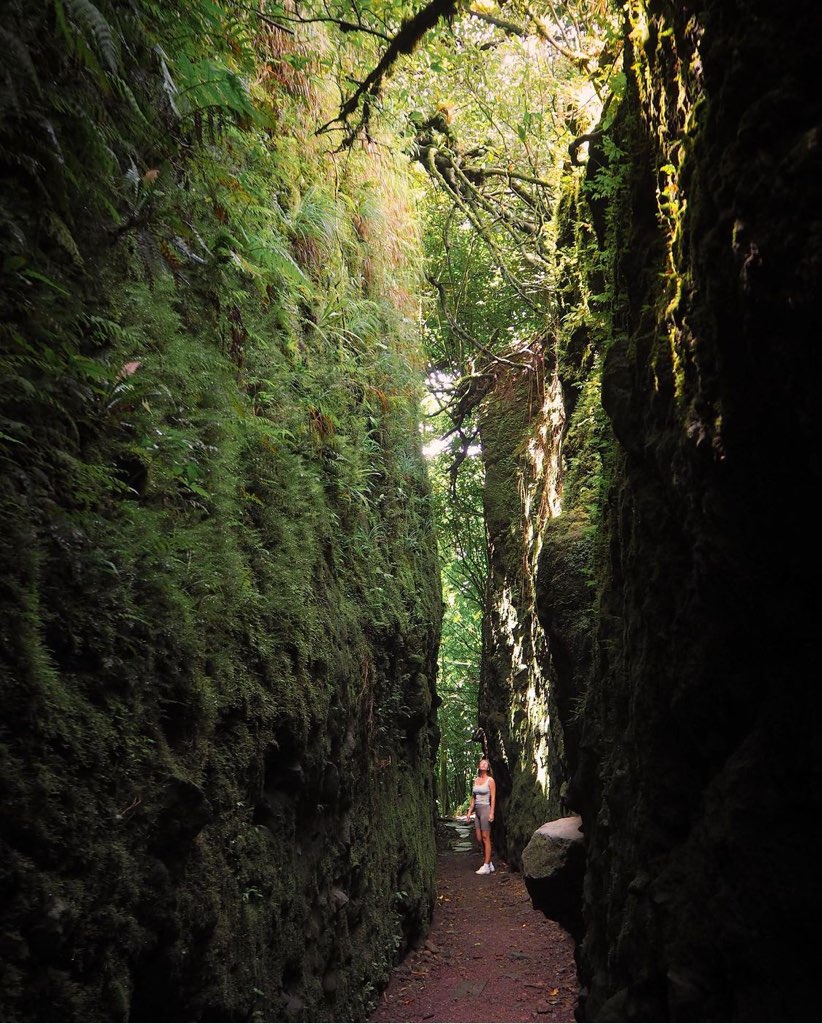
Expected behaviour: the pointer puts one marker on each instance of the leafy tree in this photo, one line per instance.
(494, 107)
(463, 560)
(503, 105)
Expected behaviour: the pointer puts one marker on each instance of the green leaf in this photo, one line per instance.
(89, 18)
(37, 276)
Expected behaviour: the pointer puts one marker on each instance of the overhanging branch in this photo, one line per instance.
(404, 42)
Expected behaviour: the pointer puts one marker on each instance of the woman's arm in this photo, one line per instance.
(470, 806)
(493, 786)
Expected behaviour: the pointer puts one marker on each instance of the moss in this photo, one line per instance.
(694, 731)
(516, 704)
(221, 615)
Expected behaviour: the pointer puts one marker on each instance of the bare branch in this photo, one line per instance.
(341, 23)
(512, 29)
(503, 172)
(458, 329)
(507, 26)
(578, 142)
(404, 42)
(578, 59)
(479, 227)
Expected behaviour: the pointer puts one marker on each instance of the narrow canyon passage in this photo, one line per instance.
(384, 385)
(489, 955)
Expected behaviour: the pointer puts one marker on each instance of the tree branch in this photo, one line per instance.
(471, 214)
(458, 329)
(507, 26)
(341, 23)
(404, 42)
(512, 29)
(579, 141)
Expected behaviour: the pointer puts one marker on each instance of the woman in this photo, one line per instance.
(483, 801)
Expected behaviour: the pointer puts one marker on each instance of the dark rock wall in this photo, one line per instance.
(699, 770)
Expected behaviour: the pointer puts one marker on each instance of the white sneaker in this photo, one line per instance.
(484, 870)
(491, 865)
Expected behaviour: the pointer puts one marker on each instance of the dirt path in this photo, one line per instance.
(488, 957)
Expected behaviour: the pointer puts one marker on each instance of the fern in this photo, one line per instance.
(18, 58)
(105, 330)
(58, 230)
(89, 19)
(206, 84)
(316, 216)
(124, 91)
(364, 321)
(149, 255)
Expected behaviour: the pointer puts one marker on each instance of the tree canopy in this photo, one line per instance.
(493, 104)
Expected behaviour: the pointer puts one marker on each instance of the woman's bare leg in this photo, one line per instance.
(486, 843)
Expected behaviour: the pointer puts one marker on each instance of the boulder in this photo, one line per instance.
(553, 865)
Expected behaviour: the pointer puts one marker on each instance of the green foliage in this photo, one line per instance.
(609, 179)
(464, 566)
(217, 525)
(488, 105)
(218, 522)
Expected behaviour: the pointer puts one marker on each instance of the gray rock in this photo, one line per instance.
(339, 899)
(553, 865)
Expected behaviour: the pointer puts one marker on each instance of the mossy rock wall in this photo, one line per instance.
(220, 597)
(521, 423)
(565, 588)
(565, 606)
(543, 433)
(699, 767)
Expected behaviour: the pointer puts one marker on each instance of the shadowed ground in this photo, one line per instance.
(489, 955)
